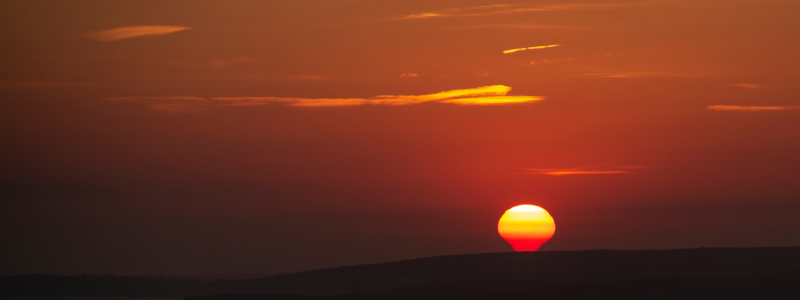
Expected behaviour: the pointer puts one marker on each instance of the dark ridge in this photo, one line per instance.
(705, 273)
(518, 271)
(39, 285)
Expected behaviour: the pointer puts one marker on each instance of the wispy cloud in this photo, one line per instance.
(747, 85)
(752, 108)
(228, 62)
(560, 172)
(168, 103)
(134, 31)
(452, 12)
(551, 61)
(598, 169)
(217, 63)
(409, 75)
(504, 26)
(492, 100)
(486, 95)
(156, 98)
(57, 84)
(530, 48)
(636, 75)
(305, 78)
(502, 9)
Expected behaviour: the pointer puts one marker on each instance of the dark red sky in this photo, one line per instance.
(220, 142)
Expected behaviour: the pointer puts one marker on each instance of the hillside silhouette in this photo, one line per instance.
(704, 273)
(40, 285)
(614, 273)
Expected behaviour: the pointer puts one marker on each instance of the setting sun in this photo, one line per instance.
(526, 227)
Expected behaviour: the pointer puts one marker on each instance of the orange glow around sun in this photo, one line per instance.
(526, 227)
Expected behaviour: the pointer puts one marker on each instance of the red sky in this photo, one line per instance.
(211, 137)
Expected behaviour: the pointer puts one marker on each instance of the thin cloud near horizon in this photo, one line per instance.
(558, 172)
(501, 9)
(747, 85)
(752, 108)
(117, 34)
(597, 169)
(505, 26)
(218, 63)
(530, 48)
(7, 84)
(636, 75)
(486, 95)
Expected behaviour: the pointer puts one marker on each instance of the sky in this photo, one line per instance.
(189, 138)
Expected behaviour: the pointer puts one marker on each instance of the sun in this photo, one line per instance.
(526, 227)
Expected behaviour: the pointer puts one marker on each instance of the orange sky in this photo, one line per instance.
(208, 137)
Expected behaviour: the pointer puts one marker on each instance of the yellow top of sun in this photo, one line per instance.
(526, 221)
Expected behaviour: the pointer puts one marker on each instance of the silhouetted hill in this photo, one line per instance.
(706, 273)
(601, 273)
(38, 285)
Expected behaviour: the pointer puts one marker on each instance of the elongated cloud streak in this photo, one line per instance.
(747, 85)
(752, 108)
(598, 169)
(466, 11)
(228, 62)
(636, 75)
(501, 9)
(503, 26)
(574, 172)
(56, 84)
(157, 98)
(486, 95)
(117, 34)
(530, 48)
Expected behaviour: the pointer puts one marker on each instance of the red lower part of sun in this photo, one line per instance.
(526, 244)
